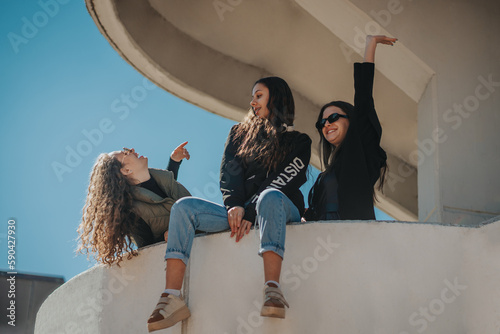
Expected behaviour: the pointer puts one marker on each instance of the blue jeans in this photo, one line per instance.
(274, 211)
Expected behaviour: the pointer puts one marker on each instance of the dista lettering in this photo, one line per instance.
(290, 172)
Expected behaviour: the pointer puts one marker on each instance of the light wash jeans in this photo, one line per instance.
(274, 211)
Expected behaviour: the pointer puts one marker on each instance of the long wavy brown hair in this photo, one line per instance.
(266, 140)
(105, 230)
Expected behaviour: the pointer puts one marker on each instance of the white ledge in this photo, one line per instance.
(356, 277)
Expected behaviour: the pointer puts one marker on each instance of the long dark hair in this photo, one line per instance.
(329, 152)
(267, 140)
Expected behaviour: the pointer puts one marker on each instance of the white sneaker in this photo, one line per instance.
(169, 311)
(274, 303)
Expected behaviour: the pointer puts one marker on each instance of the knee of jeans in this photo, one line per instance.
(269, 196)
(183, 204)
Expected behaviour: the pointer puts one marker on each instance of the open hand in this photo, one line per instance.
(371, 44)
(380, 39)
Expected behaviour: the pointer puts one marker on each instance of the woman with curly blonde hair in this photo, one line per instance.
(128, 203)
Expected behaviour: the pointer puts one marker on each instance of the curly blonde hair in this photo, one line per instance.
(106, 227)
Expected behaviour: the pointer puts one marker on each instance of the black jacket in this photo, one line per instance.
(359, 159)
(241, 184)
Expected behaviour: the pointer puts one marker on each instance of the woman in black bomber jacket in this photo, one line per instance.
(263, 166)
(350, 146)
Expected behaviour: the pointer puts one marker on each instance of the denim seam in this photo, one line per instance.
(189, 231)
(178, 251)
(272, 244)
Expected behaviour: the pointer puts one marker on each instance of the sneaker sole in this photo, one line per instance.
(179, 315)
(273, 312)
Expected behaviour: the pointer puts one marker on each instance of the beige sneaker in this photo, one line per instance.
(274, 303)
(169, 311)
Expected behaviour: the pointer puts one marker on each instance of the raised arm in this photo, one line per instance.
(180, 153)
(363, 88)
(371, 45)
(176, 157)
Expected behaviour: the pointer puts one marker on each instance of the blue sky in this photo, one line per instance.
(66, 97)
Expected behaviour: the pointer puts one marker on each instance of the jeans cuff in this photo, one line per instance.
(272, 248)
(175, 254)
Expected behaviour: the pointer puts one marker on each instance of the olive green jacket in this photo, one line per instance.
(153, 209)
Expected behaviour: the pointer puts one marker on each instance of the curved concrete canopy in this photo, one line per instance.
(209, 53)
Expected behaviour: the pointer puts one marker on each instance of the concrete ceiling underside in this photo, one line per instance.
(210, 56)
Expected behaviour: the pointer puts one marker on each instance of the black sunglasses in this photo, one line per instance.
(332, 118)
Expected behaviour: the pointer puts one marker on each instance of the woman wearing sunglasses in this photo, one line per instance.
(263, 166)
(128, 202)
(350, 150)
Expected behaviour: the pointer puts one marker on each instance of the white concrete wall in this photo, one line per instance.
(459, 40)
(343, 277)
